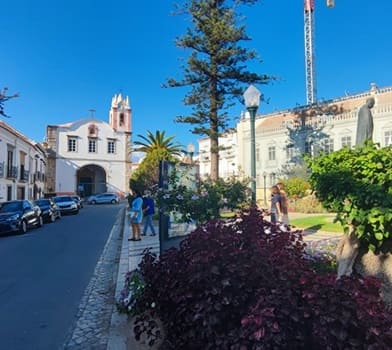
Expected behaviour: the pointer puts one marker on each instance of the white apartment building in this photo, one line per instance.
(283, 137)
(91, 153)
(228, 160)
(22, 166)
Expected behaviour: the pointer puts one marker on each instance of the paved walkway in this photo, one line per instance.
(121, 335)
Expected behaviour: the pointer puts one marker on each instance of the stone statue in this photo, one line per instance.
(365, 122)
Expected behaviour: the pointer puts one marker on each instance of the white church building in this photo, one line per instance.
(90, 154)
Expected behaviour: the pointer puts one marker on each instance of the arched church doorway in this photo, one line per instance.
(91, 179)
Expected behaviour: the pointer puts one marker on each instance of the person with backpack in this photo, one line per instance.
(148, 211)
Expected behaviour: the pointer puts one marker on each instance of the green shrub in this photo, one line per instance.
(308, 205)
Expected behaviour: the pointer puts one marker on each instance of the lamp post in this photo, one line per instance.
(252, 101)
(265, 188)
(191, 151)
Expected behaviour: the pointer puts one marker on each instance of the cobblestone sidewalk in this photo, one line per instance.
(92, 327)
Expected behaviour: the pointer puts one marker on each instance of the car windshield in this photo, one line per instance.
(10, 207)
(42, 202)
(63, 199)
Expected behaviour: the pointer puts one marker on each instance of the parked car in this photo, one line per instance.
(49, 209)
(103, 198)
(66, 204)
(78, 201)
(19, 216)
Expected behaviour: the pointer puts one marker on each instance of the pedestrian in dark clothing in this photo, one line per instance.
(148, 211)
(276, 205)
(284, 203)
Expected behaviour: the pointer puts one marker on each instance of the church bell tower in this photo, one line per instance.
(120, 115)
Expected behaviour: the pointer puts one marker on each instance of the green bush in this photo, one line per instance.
(357, 184)
(308, 205)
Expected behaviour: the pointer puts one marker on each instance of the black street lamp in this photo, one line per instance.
(265, 188)
(252, 101)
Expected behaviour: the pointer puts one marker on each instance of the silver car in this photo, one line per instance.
(103, 198)
(66, 204)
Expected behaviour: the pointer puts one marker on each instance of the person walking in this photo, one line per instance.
(284, 203)
(148, 211)
(136, 214)
(276, 200)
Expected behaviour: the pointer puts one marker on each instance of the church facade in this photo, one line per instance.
(89, 156)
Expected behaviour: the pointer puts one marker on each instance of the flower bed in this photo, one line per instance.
(247, 284)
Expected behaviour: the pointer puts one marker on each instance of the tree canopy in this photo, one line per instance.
(216, 70)
(156, 147)
(160, 142)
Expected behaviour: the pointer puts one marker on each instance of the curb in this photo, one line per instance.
(118, 325)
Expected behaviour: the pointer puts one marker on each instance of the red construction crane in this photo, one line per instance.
(311, 90)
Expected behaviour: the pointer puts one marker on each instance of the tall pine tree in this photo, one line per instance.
(216, 70)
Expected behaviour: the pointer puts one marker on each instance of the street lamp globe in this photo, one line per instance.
(252, 97)
(252, 100)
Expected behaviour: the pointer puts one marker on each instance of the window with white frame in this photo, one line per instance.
(346, 141)
(328, 145)
(92, 145)
(257, 154)
(271, 153)
(111, 146)
(72, 144)
(388, 137)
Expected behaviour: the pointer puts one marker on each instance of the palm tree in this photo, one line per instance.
(159, 142)
(156, 147)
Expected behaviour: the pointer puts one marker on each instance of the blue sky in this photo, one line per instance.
(65, 57)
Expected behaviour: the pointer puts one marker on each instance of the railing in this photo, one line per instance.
(12, 172)
(38, 176)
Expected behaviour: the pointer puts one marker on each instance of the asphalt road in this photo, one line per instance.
(43, 275)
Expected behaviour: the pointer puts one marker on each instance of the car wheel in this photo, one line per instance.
(93, 202)
(114, 201)
(23, 226)
(40, 221)
(52, 217)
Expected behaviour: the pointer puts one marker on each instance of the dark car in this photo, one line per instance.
(66, 204)
(19, 216)
(78, 201)
(49, 209)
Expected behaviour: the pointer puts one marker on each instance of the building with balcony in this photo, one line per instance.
(228, 160)
(22, 166)
(89, 156)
